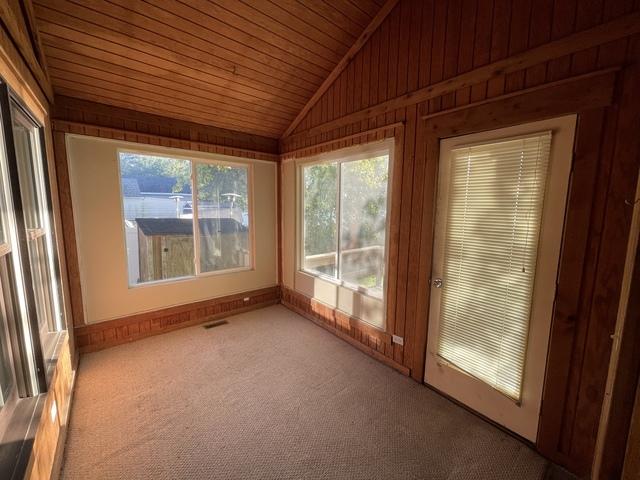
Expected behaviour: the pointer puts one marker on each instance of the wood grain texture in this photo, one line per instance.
(74, 110)
(632, 458)
(256, 62)
(626, 163)
(340, 324)
(23, 69)
(526, 53)
(48, 445)
(342, 64)
(68, 227)
(493, 73)
(18, 23)
(106, 334)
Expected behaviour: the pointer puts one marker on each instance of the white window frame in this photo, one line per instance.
(345, 155)
(218, 160)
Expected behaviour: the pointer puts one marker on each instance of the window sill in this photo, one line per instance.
(21, 427)
(191, 278)
(17, 441)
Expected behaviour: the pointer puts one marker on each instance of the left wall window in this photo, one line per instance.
(36, 208)
(31, 310)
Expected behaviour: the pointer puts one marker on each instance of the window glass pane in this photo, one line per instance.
(495, 201)
(363, 216)
(25, 139)
(6, 371)
(40, 241)
(157, 208)
(223, 217)
(320, 183)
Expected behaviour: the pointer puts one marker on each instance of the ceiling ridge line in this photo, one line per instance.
(342, 64)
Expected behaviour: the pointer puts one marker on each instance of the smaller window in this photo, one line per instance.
(162, 210)
(345, 219)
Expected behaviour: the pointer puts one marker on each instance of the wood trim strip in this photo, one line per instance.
(582, 93)
(16, 73)
(68, 228)
(616, 29)
(24, 45)
(332, 315)
(555, 100)
(85, 111)
(290, 155)
(577, 78)
(98, 336)
(342, 64)
(80, 128)
(632, 458)
(48, 442)
(324, 317)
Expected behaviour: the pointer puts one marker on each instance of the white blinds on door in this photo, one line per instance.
(495, 199)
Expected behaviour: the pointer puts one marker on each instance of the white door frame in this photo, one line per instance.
(520, 417)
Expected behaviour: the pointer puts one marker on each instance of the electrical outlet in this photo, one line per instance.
(398, 340)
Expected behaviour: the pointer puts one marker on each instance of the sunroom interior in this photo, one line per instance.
(282, 239)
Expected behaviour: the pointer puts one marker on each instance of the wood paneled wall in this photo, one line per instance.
(632, 461)
(19, 35)
(98, 336)
(23, 67)
(48, 445)
(462, 63)
(139, 124)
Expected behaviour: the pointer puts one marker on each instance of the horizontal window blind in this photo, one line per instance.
(494, 210)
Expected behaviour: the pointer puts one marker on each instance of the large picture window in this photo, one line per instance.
(344, 210)
(183, 217)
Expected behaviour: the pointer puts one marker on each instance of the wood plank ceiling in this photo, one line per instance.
(245, 65)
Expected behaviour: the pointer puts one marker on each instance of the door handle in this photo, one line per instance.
(437, 282)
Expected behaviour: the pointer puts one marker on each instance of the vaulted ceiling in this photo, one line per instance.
(246, 65)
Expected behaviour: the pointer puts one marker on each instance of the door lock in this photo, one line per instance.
(437, 282)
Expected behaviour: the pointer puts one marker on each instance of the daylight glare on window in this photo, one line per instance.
(345, 216)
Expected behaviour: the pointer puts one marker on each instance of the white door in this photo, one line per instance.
(500, 213)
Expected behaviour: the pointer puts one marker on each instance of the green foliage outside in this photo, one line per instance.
(320, 190)
(217, 181)
(364, 201)
(169, 175)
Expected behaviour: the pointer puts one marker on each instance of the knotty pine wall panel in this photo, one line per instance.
(23, 69)
(94, 114)
(422, 43)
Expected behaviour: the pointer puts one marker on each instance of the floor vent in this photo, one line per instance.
(217, 323)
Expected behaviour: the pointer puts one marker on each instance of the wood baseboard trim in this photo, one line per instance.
(322, 321)
(98, 336)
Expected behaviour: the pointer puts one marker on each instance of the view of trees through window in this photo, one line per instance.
(158, 208)
(345, 213)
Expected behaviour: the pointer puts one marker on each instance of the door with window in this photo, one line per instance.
(499, 220)
(39, 231)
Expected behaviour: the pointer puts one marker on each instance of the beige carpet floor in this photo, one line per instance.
(272, 396)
